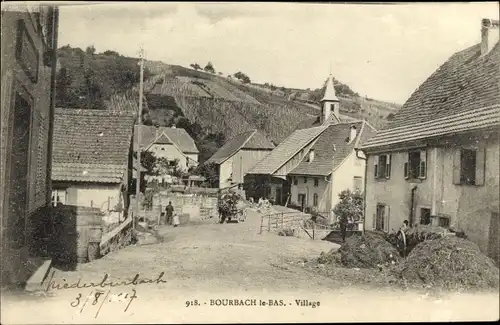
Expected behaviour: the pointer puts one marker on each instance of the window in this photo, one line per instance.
(425, 216)
(382, 168)
(162, 148)
(444, 222)
(416, 165)
(58, 197)
(316, 182)
(305, 180)
(295, 181)
(358, 183)
(315, 200)
(171, 163)
(381, 218)
(469, 166)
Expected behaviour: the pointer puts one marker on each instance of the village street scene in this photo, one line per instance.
(168, 163)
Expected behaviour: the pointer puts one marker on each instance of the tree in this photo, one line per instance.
(209, 68)
(242, 77)
(350, 205)
(90, 50)
(168, 167)
(210, 171)
(195, 66)
(148, 161)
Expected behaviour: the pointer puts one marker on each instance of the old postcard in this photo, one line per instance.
(249, 162)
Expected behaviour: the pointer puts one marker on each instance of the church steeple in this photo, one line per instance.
(330, 102)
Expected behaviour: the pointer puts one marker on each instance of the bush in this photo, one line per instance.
(288, 232)
(451, 263)
(332, 257)
(367, 251)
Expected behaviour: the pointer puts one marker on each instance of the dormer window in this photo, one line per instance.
(311, 156)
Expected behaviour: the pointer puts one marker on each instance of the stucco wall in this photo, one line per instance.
(343, 177)
(95, 195)
(169, 152)
(225, 171)
(469, 207)
(308, 189)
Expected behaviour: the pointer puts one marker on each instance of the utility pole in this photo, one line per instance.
(138, 137)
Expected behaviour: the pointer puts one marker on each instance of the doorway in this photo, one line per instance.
(302, 201)
(380, 217)
(278, 196)
(19, 168)
(425, 216)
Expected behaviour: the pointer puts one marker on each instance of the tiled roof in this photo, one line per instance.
(465, 84)
(325, 158)
(247, 140)
(163, 139)
(91, 145)
(176, 135)
(480, 118)
(316, 121)
(286, 150)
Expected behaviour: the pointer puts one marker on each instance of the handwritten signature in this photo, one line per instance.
(53, 285)
(95, 299)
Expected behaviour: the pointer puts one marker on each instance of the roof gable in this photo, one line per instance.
(331, 149)
(252, 140)
(166, 135)
(466, 83)
(286, 150)
(97, 141)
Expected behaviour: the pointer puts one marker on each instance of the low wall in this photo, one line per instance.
(197, 206)
(117, 238)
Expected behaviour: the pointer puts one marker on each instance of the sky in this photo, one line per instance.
(381, 51)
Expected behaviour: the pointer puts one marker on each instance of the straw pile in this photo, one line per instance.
(449, 262)
(368, 251)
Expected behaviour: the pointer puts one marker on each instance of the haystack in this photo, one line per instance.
(451, 263)
(368, 251)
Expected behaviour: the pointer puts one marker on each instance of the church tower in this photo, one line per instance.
(330, 104)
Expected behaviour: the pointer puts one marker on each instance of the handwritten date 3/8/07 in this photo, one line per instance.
(99, 297)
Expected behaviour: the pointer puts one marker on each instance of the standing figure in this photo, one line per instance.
(176, 220)
(170, 211)
(343, 227)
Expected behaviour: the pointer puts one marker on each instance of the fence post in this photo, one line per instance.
(282, 217)
(159, 215)
(261, 224)
(269, 224)
(109, 202)
(314, 227)
(91, 203)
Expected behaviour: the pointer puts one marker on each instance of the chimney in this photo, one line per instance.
(311, 155)
(353, 133)
(157, 133)
(488, 40)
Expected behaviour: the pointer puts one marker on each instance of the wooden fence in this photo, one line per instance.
(298, 222)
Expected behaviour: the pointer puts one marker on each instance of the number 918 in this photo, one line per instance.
(192, 303)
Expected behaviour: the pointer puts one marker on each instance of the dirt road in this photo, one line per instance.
(207, 265)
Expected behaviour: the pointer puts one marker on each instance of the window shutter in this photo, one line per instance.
(456, 167)
(388, 167)
(422, 171)
(407, 166)
(386, 218)
(376, 166)
(480, 166)
(374, 221)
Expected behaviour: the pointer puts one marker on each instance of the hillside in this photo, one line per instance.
(211, 107)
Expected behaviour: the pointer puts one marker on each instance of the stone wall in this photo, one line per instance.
(198, 207)
(117, 238)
